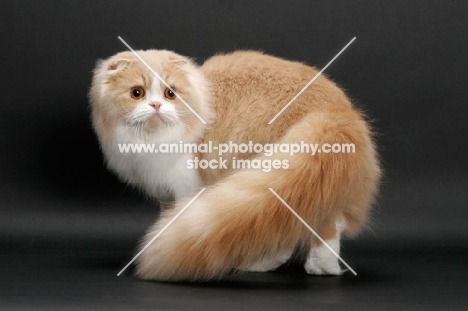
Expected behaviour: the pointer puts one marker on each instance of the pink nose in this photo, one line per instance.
(156, 105)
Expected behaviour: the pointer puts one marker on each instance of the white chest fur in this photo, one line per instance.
(158, 174)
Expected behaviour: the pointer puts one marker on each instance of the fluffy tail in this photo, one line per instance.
(238, 221)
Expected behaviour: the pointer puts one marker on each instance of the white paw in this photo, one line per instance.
(321, 261)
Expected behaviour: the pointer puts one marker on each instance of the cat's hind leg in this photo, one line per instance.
(320, 260)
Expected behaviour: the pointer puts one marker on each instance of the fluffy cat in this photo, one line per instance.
(237, 223)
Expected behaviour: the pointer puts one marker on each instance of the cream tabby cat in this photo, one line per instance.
(237, 223)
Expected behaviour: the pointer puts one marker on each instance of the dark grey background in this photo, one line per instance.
(67, 226)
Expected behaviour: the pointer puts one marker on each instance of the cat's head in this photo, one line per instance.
(126, 95)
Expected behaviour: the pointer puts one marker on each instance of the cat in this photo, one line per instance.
(237, 224)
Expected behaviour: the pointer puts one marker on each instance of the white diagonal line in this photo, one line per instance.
(313, 231)
(161, 79)
(162, 230)
(311, 81)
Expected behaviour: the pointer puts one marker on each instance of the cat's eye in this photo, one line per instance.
(169, 94)
(137, 92)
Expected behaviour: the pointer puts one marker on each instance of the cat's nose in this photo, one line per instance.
(156, 105)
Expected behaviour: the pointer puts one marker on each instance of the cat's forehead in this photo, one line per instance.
(164, 62)
(167, 65)
(126, 67)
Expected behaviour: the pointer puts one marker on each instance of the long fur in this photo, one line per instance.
(237, 222)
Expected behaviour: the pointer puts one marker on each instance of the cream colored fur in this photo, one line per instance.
(237, 223)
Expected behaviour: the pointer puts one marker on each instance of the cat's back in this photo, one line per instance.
(250, 67)
(242, 60)
(253, 76)
(249, 88)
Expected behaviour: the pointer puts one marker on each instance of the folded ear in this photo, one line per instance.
(178, 62)
(118, 64)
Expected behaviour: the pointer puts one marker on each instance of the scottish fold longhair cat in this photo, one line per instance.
(237, 224)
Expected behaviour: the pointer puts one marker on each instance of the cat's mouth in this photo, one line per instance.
(156, 115)
(151, 121)
(157, 119)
